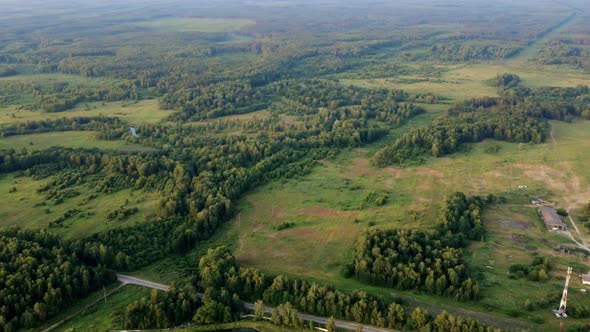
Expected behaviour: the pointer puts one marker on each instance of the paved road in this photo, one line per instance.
(250, 306)
(127, 280)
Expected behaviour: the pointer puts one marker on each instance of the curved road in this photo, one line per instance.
(127, 280)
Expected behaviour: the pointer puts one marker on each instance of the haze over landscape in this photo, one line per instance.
(294, 165)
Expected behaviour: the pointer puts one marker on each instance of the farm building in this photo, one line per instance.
(551, 218)
(586, 278)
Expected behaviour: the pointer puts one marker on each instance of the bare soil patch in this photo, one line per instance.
(362, 167)
(511, 224)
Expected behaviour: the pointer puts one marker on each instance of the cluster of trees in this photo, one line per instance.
(41, 274)
(413, 260)
(161, 310)
(428, 261)
(93, 123)
(446, 134)
(579, 311)
(566, 51)
(297, 97)
(538, 270)
(460, 218)
(62, 96)
(460, 52)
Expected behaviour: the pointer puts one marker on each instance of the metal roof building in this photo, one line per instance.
(551, 218)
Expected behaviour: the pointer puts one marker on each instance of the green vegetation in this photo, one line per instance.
(288, 132)
(83, 214)
(70, 139)
(99, 316)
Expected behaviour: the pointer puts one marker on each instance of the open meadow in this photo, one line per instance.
(83, 214)
(307, 226)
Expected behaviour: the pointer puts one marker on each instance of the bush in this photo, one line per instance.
(562, 212)
(528, 305)
(513, 313)
(285, 225)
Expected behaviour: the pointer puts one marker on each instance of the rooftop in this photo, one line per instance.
(551, 217)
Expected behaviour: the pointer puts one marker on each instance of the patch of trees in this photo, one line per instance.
(161, 310)
(427, 261)
(41, 274)
(578, 311)
(517, 116)
(6, 71)
(298, 97)
(538, 270)
(460, 52)
(61, 96)
(566, 51)
(96, 123)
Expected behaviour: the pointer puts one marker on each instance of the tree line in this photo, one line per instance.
(518, 115)
(225, 286)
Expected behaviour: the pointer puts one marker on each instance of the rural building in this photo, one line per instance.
(551, 218)
(586, 278)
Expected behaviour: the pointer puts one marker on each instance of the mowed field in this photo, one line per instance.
(84, 214)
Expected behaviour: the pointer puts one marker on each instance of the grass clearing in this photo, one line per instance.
(29, 209)
(98, 316)
(135, 112)
(196, 24)
(68, 139)
(460, 82)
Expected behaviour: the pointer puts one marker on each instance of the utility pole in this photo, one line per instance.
(105, 294)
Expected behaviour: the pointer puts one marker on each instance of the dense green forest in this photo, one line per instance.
(240, 96)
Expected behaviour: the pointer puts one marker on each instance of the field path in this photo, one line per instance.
(551, 132)
(508, 324)
(578, 201)
(79, 311)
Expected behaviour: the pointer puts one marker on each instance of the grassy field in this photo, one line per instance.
(27, 208)
(135, 112)
(68, 139)
(464, 81)
(98, 316)
(328, 211)
(196, 24)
